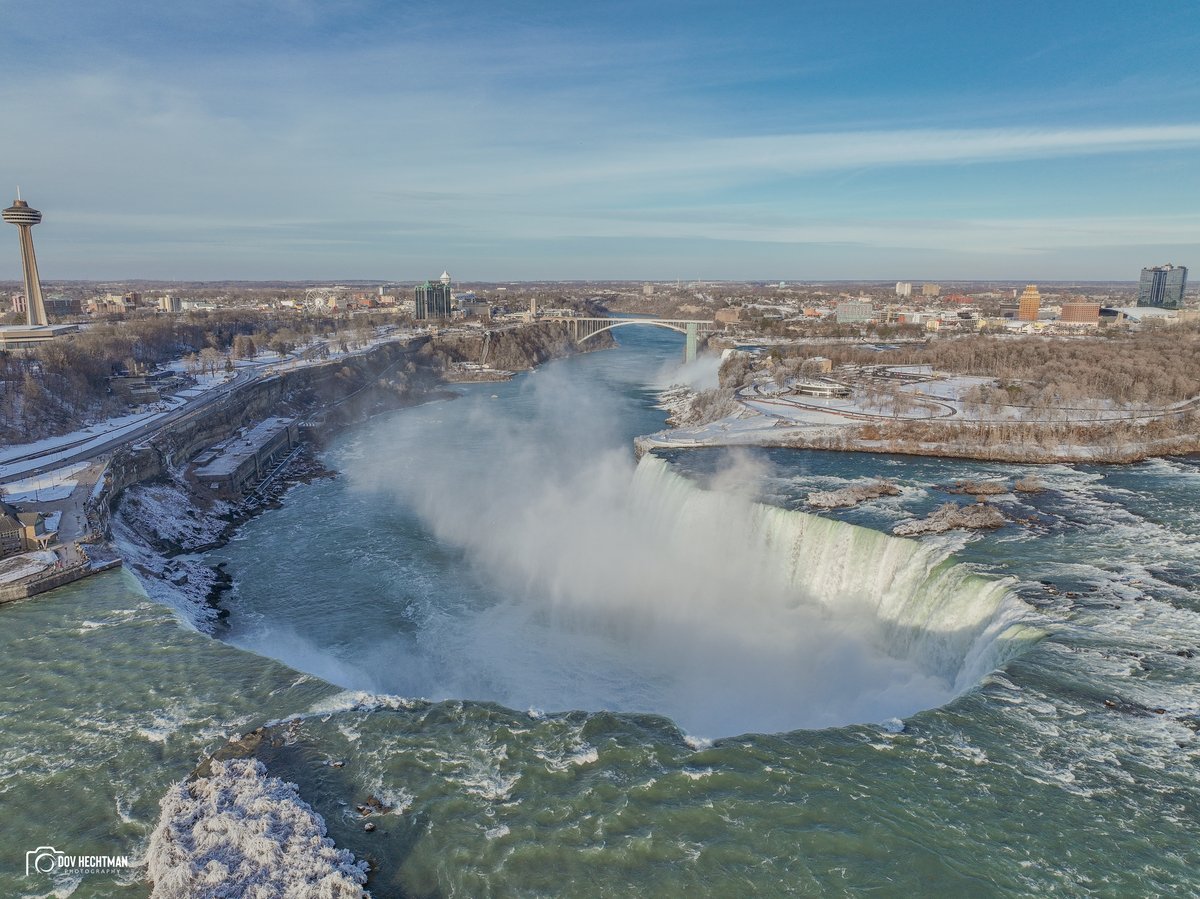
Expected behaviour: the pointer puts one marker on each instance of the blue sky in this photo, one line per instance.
(325, 139)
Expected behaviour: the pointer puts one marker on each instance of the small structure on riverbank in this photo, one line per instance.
(230, 468)
(22, 531)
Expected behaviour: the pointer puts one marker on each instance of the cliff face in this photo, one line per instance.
(514, 349)
(347, 390)
(394, 369)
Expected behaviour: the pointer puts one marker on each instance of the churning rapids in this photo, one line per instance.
(652, 679)
(566, 578)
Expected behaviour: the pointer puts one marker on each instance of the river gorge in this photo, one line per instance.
(564, 671)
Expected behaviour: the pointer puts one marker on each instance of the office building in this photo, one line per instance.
(1162, 286)
(1079, 311)
(433, 299)
(1029, 304)
(21, 215)
(851, 312)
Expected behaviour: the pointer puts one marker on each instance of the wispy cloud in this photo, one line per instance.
(745, 158)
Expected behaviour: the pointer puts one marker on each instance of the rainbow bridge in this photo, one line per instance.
(583, 329)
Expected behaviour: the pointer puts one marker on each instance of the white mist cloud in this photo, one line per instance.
(638, 591)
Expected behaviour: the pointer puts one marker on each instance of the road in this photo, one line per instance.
(93, 447)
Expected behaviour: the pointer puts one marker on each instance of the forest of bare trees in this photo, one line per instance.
(64, 383)
(1153, 367)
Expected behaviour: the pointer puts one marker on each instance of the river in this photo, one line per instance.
(568, 673)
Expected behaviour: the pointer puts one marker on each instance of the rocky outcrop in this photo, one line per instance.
(979, 488)
(1029, 484)
(951, 517)
(852, 496)
(513, 349)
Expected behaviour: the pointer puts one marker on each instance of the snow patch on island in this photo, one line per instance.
(241, 832)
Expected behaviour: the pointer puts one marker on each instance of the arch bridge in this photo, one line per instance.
(583, 329)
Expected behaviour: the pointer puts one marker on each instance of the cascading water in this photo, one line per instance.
(921, 605)
(639, 590)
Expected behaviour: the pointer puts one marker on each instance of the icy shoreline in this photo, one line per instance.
(750, 428)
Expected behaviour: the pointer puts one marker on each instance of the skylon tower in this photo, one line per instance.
(24, 217)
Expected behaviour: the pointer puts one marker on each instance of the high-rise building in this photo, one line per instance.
(903, 289)
(849, 312)
(1080, 311)
(930, 290)
(1162, 286)
(21, 215)
(1029, 304)
(433, 299)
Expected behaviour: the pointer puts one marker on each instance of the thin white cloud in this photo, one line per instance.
(801, 154)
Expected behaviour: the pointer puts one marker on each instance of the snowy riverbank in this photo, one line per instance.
(829, 431)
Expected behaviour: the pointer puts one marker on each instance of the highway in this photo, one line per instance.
(92, 447)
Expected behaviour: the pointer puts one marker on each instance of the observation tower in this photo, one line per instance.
(24, 217)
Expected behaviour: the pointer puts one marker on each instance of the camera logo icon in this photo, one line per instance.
(43, 860)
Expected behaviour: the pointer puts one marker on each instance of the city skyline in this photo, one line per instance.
(840, 141)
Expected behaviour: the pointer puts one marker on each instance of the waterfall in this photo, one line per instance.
(766, 573)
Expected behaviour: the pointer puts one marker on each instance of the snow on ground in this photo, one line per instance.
(241, 832)
(64, 446)
(44, 488)
(16, 567)
(106, 428)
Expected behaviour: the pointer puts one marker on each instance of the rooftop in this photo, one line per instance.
(236, 450)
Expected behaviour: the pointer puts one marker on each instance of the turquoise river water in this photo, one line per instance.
(570, 673)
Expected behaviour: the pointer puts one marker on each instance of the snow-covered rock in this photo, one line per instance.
(240, 832)
(852, 495)
(951, 516)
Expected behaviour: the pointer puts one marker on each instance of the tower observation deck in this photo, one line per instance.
(24, 217)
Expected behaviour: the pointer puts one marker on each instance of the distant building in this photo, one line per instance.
(903, 289)
(820, 364)
(169, 303)
(1162, 286)
(648, 290)
(62, 306)
(113, 304)
(851, 312)
(1080, 312)
(730, 315)
(433, 300)
(1029, 304)
(474, 308)
(930, 290)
